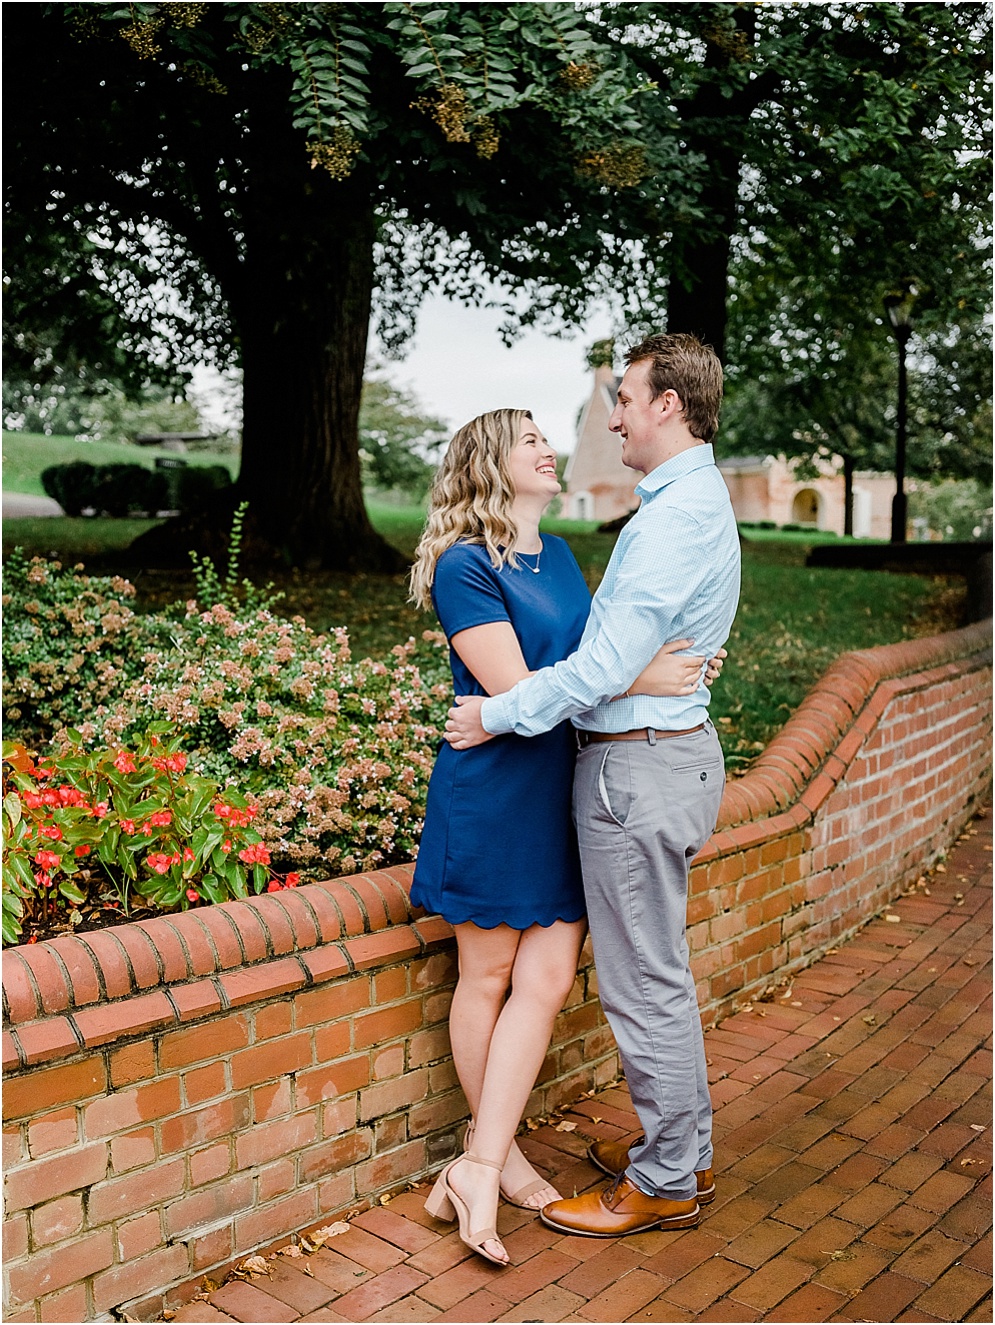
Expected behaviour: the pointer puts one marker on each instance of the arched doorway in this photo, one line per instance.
(805, 507)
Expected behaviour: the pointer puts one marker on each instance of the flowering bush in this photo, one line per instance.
(335, 753)
(70, 641)
(123, 825)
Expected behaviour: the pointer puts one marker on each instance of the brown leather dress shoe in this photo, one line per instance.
(612, 1157)
(617, 1209)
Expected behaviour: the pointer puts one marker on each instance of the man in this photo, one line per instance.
(649, 779)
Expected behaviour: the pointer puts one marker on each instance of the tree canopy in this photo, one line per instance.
(249, 182)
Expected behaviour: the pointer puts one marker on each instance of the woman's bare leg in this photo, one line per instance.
(501, 1069)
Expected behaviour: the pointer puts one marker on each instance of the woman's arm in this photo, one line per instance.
(671, 673)
(493, 654)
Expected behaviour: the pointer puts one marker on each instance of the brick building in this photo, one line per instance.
(599, 487)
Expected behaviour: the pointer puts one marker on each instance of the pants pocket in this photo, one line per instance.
(614, 785)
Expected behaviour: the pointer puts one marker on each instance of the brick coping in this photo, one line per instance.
(79, 992)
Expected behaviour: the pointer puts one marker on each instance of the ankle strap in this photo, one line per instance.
(487, 1163)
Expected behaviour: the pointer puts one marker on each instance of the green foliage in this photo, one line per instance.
(336, 752)
(54, 400)
(953, 510)
(397, 441)
(125, 826)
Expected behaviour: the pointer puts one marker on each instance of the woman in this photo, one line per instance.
(498, 856)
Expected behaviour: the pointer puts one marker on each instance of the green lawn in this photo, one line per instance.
(792, 623)
(26, 454)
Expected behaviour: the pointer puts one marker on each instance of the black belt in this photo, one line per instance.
(648, 734)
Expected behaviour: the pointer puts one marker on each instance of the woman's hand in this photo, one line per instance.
(673, 673)
(715, 666)
(669, 673)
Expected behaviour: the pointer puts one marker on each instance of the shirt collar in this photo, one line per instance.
(685, 462)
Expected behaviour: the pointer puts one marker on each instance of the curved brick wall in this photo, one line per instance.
(185, 1090)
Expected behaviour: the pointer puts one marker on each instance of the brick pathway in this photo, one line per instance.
(853, 1161)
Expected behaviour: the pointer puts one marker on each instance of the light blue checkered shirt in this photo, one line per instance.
(674, 574)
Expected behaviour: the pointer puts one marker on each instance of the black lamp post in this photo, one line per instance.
(899, 310)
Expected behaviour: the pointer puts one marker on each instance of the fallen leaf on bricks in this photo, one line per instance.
(830, 951)
(835, 1018)
(969, 1161)
(941, 869)
(386, 1200)
(758, 1076)
(292, 1250)
(969, 961)
(977, 1127)
(846, 1255)
(870, 1020)
(595, 1120)
(566, 1126)
(796, 1004)
(256, 1265)
(169, 1315)
(307, 1269)
(893, 920)
(320, 1235)
(958, 897)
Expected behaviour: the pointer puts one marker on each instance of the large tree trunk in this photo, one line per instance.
(699, 270)
(301, 309)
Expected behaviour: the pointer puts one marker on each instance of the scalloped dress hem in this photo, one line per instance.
(490, 923)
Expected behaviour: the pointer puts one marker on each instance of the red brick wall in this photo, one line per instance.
(183, 1091)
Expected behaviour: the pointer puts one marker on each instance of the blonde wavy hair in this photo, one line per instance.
(471, 497)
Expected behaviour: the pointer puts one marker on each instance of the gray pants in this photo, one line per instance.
(643, 812)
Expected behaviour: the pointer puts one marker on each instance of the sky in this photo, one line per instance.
(457, 367)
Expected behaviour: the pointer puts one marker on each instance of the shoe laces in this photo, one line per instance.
(611, 1191)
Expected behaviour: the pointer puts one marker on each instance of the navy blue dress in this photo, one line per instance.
(498, 846)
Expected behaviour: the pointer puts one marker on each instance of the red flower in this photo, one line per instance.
(188, 854)
(274, 886)
(125, 762)
(100, 809)
(128, 826)
(171, 763)
(258, 854)
(48, 860)
(53, 831)
(293, 879)
(193, 895)
(70, 796)
(83, 850)
(161, 819)
(146, 829)
(42, 879)
(32, 800)
(158, 861)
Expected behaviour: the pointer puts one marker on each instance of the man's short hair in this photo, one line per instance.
(681, 363)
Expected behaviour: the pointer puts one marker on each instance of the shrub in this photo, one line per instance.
(122, 488)
(337, 753)
(122, 825)
(70, 641)
(118, 489)
(72, 485)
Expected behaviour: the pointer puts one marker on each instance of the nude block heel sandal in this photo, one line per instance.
(521, 1197)
(445, 1203)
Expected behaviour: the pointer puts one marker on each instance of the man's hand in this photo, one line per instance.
(463, 726)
